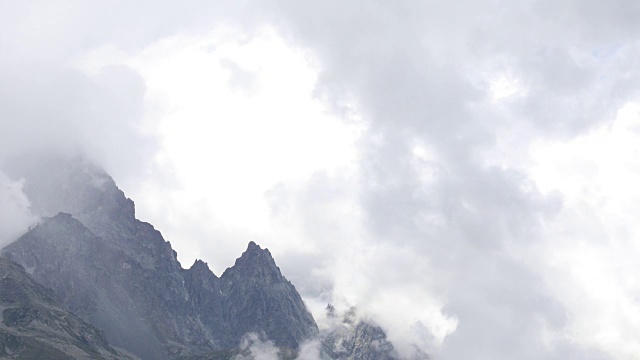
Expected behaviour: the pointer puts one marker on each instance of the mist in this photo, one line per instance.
(14, 211)
(462, 172)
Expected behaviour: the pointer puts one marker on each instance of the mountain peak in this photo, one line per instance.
(253, 245)
(263, 300)
(254, 248)
(62, 216)
(200, 265)
(73, 185)
(257, 262)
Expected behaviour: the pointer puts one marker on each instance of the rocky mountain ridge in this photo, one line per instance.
(120, 275)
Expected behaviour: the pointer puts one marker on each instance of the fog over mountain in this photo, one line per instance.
(89, 255)
(462, 172)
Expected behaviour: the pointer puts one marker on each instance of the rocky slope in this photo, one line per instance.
(34, 326)
(258, 299)
(120, 275)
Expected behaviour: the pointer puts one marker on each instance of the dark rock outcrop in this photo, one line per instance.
(101, 284)
(257, 298)
(34, 326)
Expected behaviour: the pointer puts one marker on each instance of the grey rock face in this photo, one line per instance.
(250, 297)
(119, 274)
(205, 297)
(101, 284)
(257, 298)
(34, 326)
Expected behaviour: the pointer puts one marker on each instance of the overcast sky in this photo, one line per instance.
(465, 172)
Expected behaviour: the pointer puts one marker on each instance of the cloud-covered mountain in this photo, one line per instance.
(120, 275)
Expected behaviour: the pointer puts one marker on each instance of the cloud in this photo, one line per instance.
(590, 250)
(421, 75)
(409, 158)
(49, 102)
(14, 211)
(50, 107)
(252, 347)
(309, 350)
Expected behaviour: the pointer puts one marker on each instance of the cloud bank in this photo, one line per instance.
(460, 170)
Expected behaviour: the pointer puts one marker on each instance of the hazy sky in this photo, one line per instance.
(463, 171)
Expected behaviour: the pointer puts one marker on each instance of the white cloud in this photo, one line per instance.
(15, 216)
(455, 168)
(592, 245)
(225, 145)
(253, 348)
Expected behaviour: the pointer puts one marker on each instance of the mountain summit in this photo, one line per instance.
(258, 299)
